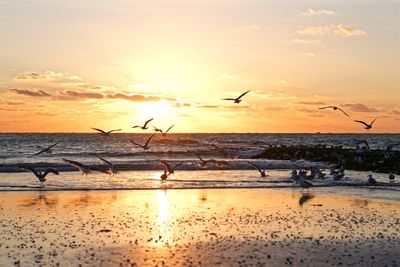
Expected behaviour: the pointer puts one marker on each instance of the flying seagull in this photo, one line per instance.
(203, 163)
(367, 126)
(84, 169)
(46, 150)
(146, 145)
(41, 175)
(111, 168)
(104, 133)
(238, 99)
(169, 167)
(262, 172)
(144, 127)
(336, 108)
(161, 131)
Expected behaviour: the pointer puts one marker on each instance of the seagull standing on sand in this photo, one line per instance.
(238, 99)
(104, 133)
(371, 180)
(161, 131)
(111, 168)
(84, 169)
(46, 150)
(146, 145)
(391, 177)
(144, 127)
(336, 108)
(367, 126)
(41, 175)
(304, 184)
(261, 171)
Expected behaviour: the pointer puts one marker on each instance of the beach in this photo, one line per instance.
(197, 227)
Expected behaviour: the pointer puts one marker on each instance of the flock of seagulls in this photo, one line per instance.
(169, 168)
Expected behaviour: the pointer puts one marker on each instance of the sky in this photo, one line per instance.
(67, 66)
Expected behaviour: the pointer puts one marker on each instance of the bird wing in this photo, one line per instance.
(114, 131)
(242, 95)
(362, 123)
(373, 121)
(169, 129)
(136, 143)
(157, 129)
(148, 140)
(145, 124)
(26, 168)
(99, 130)
(74, 163)
(136, 126)
(343, 112)
(44, 150)
(326, 107)
(228, 98)
(178, 164)
(255, 166)
(50, 170)
(105, 161)
(163, 162)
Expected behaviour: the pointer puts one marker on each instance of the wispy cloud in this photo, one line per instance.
(30, 92)
(311, 103)
(339, 29)
(305, 41)
(318, 12)
(47, 76)
(357, 107)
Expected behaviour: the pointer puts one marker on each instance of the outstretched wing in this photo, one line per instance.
(148, 140)
(26, 168)
(44, 150)
(326, 107)
(373, 121)
(242, 95)
(74, 163)
(105, 161)
(114, 131)
(50, 170)
(362, 123)
(145, 124)
(136, 143)
(232, 99)
(99, 130)
(157, 129)
(255, 166)
(136, 126)
(169, 129)
(343, 112)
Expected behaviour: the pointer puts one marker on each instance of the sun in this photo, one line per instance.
(159, 110)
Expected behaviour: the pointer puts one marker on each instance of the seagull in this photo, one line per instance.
(304, 184)
(161, 131)
(164, 176)
(46, 150)
(41, 175)
(203, 163)
(391, 176)
(371, 180)
(169, 168)
(146, 145)
(367, 126)
(359, 142)
(111, 168)
(262, 172)
(104, 133)
(238, 99)
(336, 108)
(144, 127)
(84, 169)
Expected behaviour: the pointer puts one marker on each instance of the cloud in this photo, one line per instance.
(319, 12)
(305, 41)
(79, 95)
(140, 97)
(48, 76)
(30, 92)
(357, 107)
(338, 29)
(311, 103)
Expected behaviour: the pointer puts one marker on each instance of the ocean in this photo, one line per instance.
(141, 169)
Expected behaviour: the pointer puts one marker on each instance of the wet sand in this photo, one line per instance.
(198, 227)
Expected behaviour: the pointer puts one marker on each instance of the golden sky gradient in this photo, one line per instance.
(68, 66)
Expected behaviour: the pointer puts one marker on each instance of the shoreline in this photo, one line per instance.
(198, 227)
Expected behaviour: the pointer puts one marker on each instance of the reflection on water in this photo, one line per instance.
(305, 197)
(38, 200)
(163, 206)
(203, 196)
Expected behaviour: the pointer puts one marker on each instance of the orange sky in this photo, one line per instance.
(67, 66)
